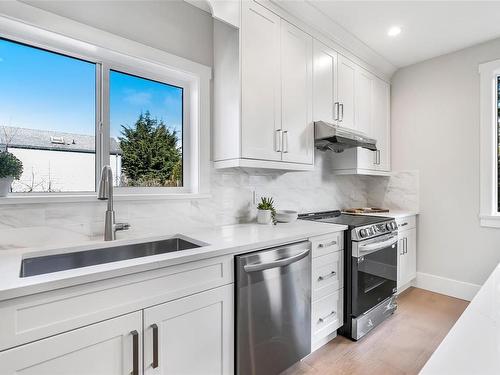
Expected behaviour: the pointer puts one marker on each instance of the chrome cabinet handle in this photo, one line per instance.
(327, 276)
(341, 112)
(277, 141)
(331, 315)
(402, 241)
(155, 345)
(277, 263)
(285, 141)
(406, 245)
(135, 352)
(331, 243)
(336, 111)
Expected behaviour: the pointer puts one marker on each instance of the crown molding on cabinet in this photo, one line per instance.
(306, 16)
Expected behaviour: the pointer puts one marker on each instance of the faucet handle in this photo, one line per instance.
(122, 226)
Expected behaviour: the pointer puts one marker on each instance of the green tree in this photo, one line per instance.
(149, 152)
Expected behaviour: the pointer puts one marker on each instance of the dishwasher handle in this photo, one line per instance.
(277, 263)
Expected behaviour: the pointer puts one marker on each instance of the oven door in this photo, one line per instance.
(374, 272)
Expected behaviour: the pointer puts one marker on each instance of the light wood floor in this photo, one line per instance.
(400, 345)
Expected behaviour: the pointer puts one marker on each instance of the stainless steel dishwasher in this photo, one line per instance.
(273, 309)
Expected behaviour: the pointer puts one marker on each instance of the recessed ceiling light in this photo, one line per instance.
(394, 30)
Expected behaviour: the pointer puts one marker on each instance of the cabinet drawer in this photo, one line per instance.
(408, 222)
(41, 315)
(328, 243)
(327, 274)
(327, 315)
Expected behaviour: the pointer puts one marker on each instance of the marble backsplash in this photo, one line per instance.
(232, 195)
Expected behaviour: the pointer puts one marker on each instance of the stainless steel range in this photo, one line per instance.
(370, 269)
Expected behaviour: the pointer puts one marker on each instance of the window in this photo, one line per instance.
(146, 131)
(56, 108)
(490, 144)
(47, 118)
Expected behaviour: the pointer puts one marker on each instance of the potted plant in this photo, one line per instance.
(266, 214)
(10, 168)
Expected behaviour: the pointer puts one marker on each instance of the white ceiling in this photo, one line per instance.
(429, 28)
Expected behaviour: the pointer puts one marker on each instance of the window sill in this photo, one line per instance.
(76, 198)
(490, 221)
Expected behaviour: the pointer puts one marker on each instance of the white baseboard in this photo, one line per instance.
(449, 287)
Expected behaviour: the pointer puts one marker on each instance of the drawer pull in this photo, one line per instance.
(331, 274)
(155, 345)
(135, 352)
(331, 243)
(324, 319)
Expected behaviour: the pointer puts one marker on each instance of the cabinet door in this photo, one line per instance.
(381, 123)
(407, 260)
(401, 260)
(363, 113)
(105, 348)
(411, 254)
(194, 335)
(325, 83)
(346, 76)
(261, 83)
(297, 91)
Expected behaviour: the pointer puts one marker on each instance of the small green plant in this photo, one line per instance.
(268, 204)
(10, 166)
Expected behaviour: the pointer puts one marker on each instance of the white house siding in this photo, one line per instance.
(57, 171)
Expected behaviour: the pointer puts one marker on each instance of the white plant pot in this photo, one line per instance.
(5, 184)
(264, 217)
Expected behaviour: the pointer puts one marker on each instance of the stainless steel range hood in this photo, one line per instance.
(336, 138)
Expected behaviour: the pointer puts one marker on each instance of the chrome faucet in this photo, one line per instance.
(106, 193)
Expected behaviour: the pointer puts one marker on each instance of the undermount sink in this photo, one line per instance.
(59, 262)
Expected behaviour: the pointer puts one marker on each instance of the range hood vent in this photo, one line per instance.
(336, 138)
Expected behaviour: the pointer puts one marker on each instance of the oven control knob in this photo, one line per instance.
(388, 226)
(363, 233)
(394, 225)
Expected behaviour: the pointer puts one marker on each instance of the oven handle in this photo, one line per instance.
(374, 246)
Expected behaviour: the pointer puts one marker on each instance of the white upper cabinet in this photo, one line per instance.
(325, 103)
(346, 92)
(363, 110)
(382, 123)
(262, 93)
(261, 83)
(296, 99)
(364, 106)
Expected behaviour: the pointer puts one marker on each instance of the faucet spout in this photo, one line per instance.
(105, 192)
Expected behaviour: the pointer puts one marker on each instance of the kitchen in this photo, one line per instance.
(320, 106)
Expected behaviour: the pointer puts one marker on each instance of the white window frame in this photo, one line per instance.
(111, 52)
(488, 161)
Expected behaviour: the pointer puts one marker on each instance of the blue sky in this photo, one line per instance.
(41, 90)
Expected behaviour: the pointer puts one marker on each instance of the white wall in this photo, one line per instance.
(435, 129)
(172, 25)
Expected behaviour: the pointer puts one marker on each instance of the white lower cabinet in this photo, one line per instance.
(194, 335)
(191, 335)
(105, 348)
(327, 302)
(407, 247)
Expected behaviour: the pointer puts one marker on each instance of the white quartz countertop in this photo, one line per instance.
(223, 240)
(473, 344)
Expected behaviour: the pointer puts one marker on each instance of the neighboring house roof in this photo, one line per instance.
(36, 139)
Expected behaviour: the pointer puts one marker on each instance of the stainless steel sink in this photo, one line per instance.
(66, 261)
